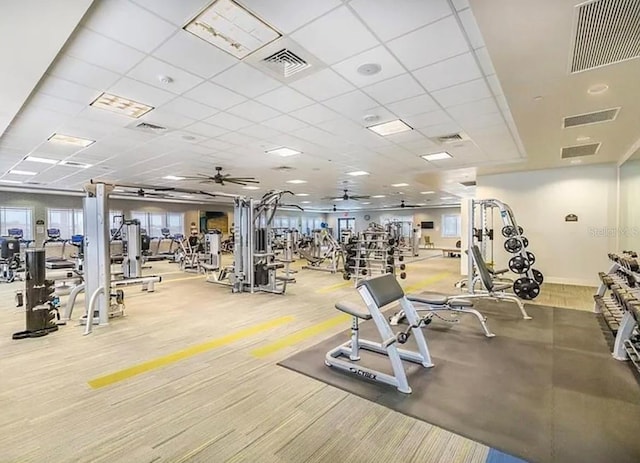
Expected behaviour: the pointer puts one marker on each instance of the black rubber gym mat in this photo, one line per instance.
(546, 390)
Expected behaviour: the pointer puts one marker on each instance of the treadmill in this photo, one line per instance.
(56, 262)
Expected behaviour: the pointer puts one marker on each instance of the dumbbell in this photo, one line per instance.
(402, 266)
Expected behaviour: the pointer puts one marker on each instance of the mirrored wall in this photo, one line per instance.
(629, 218)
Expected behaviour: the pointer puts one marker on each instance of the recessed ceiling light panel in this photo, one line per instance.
(69, 140)
(284, 152)
(296, 182)
(120, 105)
(12, 182)
(22, 172)
(357, 173)
(378, 196)
(436, 156)
(398, 185)
(427, 192)
(302, 194)
(250, 187)
(41, 160)
(172, 177)
(231, 28)
(390, 128)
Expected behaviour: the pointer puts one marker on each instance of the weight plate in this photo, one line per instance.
(531, 257)
(525, 241)
(526, 288)
(537, 275)
(518, 264)
(513, 245)
(507, 231)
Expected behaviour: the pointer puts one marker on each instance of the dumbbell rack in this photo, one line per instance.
(618, 301)
(373, 252)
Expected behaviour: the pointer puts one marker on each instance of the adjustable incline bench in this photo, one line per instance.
(377, 293)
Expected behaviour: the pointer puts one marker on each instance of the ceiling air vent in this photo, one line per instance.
(451, 138)
(580, 150)
(591, 118)
(470, 183)
(286, 63)
(607, 32)
(150, 127)
(283, 168)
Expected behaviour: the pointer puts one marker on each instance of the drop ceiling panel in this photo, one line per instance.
(460, 4)
(348, 36)
(150, 70)
(237, 139)
(102, 51)
(285, 99)
(81, 72)
(165, 118)
(480, 121)
(412, 106)
(288, 15)
(485, 61)
(471, 28)
(412, 52)
(323, 85)
(61, 88)
(259, 131)
(392, 19)
(52, 103)
(284, 123)
(128, 23)
(178, 12)
(452, 71)
(254, 111)
(440, 129)
(315, 114)
(189, 108)
(353, 105)
(215, 96)
(246, 80)
(494, 84)
(462, 93)
(192, 54)
(378, 55)
(228, 121)
(207, 130)
(423, 120)
(395, 89)
(142, 93)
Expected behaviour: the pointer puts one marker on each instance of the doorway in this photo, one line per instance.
(348, 223)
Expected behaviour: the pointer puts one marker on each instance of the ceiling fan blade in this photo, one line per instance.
(198, 177)
(234, 181)
(360, 197)
(242, 179)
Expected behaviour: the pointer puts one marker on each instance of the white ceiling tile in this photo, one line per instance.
(228, 121)
(216, 144)
(494, 83)
(411, 106)
(61, 88)
(142, 93)
(394, 89)
(81, 72)
(314, 114)
(471, 28)
(168, 119)
(462, 93)
(52, 103)
(481, 121)
(176, 12)
(432, 43)
(460, 4)
(102, 51)
(475, 108)
(104, 117)
(353, 105)
(441, 129)
(126, 22)
(254, 111)
(391, 19)
(323, 85)
(193, 54)
(189, 108)
(259, 131)
(379, 55)
(284, 123)
(236, 138)
(246, 80)
(150, 69)
(347, 36)
(288, 15)
(181, 138)
(341, 127)
(485, 61)
(208, 130)
(452, 71)
(420, 121)
(285, 99)
(214, 95)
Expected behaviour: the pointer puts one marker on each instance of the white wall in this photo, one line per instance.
(566, 252)
(629, 211)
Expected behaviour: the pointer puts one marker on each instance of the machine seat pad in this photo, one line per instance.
(354, 310)
(460, 303)
(499, 272)
(501, 286)
(429, 299)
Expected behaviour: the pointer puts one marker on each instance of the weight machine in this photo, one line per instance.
(405, 234)
(322, 249)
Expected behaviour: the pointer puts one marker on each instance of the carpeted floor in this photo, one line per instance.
(546, 390)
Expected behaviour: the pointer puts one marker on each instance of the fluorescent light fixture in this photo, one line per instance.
(389, 128)
(79, 165)
(13, 182)
(296, 182)
(576, 161)
(172, 177)
(364, 204)
(585, 138)
(231, 28)
(358, 173)
(378, 196)
(187, 196)
(22, 172)
(436, 156)
(250, 187)
(427, 192)
(70, 140)
(398, 185)
(118, 190)
(305, 202)
(120, 105)
(284, 152)
(338, 199)
(41, 160)
(447, 198)
(302, 194)
(421, 204)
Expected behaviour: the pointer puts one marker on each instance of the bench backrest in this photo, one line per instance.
(384, 289)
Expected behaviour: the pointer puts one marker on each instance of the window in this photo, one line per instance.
(16, 217)
(175, 223)
(115, 219)
(451, 226)
(154, 222)
(69, 221)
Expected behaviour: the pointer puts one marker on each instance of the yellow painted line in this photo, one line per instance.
(420, 285)
(111, 378)
(330, 289)
(301, 335)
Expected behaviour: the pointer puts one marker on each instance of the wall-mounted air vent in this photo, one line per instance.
(471, 183)
(150, 127)
(591, 118)
(580, 150)
(607, 32)
(286, 62)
